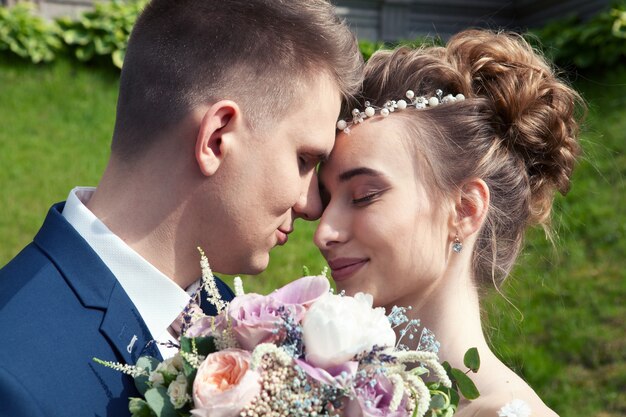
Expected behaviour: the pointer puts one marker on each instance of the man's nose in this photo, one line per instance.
(309, 205)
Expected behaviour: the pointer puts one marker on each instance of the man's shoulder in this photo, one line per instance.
(47, 332)
(23, 271)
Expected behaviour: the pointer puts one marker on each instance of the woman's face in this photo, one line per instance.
(381, 231)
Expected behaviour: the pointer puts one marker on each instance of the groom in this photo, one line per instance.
(225, 108)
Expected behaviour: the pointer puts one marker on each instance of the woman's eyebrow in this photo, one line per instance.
(351, 173)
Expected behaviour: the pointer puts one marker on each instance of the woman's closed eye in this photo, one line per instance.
(367, 198)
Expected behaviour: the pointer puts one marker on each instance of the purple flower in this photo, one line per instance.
(204, 326)
(339, 376)
(372, 397)
(256, 319)
(304, 291)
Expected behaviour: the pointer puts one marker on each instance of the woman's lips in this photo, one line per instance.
(343, 268)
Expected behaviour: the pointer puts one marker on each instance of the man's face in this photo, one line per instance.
(273, 178)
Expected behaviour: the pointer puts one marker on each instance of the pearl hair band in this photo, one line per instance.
(389, 107)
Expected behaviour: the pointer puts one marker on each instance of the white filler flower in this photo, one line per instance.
(336, 328)
(516, 408)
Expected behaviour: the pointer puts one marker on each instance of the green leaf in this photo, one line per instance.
(305, 271)
(139, 408)
(454, 398)
(102, 47)
(149, 364)
(118, 57)
(85, 53)
(465, 384)
(75, 37)
(205, 345)
(190, 373)
(448, 369)
(160, 403)
(472, 359)
(449, 412)
(437, 402)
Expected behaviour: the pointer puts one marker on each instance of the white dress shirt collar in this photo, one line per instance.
(158, 299)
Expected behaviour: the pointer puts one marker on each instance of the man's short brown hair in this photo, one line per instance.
(184, 53)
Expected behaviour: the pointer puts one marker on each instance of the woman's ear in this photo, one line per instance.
(220, 124)
(470, 210)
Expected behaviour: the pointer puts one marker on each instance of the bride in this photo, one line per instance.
(447, 157)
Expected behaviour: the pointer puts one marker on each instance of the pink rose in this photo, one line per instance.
(224, 384)
(255, 319)
(304, 291)
(206, 326)
(373, 400)
(339, 376)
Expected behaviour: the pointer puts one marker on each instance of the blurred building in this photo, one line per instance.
(390, 20)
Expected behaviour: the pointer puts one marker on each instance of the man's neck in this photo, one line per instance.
(147, 219)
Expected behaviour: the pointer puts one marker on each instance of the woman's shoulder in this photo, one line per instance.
(522, 403)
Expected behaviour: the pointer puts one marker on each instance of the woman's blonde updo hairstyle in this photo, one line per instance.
(516, 130)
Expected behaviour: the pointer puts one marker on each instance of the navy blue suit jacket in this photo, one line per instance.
(60, 306)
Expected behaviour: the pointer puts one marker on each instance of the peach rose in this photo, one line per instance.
(224, 384)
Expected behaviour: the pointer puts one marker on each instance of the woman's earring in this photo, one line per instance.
(457, 246)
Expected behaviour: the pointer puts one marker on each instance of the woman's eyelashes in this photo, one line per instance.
(367, 198)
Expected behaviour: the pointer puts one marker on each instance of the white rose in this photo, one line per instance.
(178, 391)
(171, 366)
(156, 378)
(336, 328)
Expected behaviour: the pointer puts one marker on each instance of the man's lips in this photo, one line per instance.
(342, 268)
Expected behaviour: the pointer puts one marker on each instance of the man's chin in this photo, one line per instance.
(249, 266)
(257, 264)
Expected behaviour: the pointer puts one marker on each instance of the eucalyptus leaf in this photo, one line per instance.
(437, 402)
(465, 384)
(159, 401)
(472, 359)
(205, 345)
(139, 408)
(149, 364)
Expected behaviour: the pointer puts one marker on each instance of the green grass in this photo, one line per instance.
(56, 123)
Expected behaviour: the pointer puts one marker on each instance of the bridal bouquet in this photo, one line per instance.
(299, 351)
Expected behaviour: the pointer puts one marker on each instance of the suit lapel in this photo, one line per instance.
(126, 330)
(95, 286)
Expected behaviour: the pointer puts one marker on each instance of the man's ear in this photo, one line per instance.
(219, 125)
(471, 207)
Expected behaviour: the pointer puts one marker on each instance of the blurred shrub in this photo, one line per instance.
(597, 42)
(103, 31)
(28, 35)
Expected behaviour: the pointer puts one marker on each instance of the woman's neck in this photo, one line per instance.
(450, 309)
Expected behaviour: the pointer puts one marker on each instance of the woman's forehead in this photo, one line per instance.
(376, 144)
